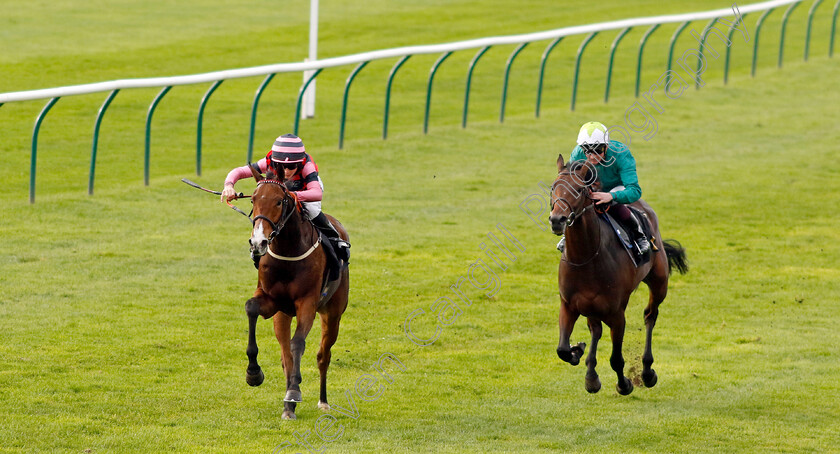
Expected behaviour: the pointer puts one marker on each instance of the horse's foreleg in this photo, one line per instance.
(254, 374)
(593, 384)
(624, 385)
(567, 323)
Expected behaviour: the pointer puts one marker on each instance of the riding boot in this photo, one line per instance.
(323, 224)
(639, 234)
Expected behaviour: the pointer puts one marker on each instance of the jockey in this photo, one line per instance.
(616, 171)
(290, 162)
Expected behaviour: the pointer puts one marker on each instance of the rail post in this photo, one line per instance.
(99, 116)
(784, 26)
(642, 43)
(388, 95)
(610, 64)
(147, 155)
(473, 62)
(758, 25)
(344, 104)
(201, 123)
(547, 51)
(429, 89)
(808, 30)
(257, 96)
(507, 76)
(34, 154)
(577, 65)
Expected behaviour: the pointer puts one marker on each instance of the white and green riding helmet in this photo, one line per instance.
(592, 134)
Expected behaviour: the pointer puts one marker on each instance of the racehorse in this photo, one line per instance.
(292, 276)
(596, 274)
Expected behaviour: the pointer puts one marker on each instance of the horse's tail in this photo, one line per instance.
(676, 256)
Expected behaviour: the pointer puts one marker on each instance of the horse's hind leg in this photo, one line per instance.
(658, 289)
(329, 333)
(283, 333)
(593, 384)
(567, 323)
(624, 385)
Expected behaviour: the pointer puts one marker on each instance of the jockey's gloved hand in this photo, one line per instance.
(228, 193)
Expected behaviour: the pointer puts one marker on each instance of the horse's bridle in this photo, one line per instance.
(278, 226)
(574, 214)
(577, 214)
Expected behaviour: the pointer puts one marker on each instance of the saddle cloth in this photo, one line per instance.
(626, 240)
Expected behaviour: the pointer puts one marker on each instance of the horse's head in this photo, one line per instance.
(273, 206)
(570, 193)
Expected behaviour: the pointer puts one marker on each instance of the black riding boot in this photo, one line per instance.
(638, 234)
(342, 247)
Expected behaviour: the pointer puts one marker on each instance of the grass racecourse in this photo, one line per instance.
(122, 323)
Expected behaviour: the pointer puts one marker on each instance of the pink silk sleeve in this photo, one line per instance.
(243, 172)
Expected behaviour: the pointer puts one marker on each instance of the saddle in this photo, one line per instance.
(626, 240)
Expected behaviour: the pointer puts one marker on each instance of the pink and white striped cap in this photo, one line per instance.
(288, 148)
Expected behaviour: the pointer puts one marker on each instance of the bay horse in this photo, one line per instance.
(596, 274)
(292, 271)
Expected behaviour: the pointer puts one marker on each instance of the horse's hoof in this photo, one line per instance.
(593, 386)
(255, 379)
(649, 378)
(627, 389)
(288, 415)
(323, 406)
(293, 396)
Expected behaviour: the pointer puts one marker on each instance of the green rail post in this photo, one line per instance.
(507, 77)
(542, 71)
(728, 51)
(833, 28)
(469, 82)
(577, 65)
(671, 49)
(388, 95)
(784, 26)
(200, 124)
(34, 155)
(257, 96)
(96, 137)
(703, 36)
(610, 64)
(344, 104)
(429, 89)
(755, 42)
(300, 99)
(639, 59)
(808, 30)
(147, 155)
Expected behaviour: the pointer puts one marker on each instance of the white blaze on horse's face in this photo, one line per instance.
(259, 240)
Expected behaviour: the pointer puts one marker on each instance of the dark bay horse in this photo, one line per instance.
(292, 270)
(597, 275)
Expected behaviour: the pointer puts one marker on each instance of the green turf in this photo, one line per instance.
(122, 326)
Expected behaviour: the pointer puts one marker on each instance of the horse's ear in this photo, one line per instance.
(560, 163)
(255, 170)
